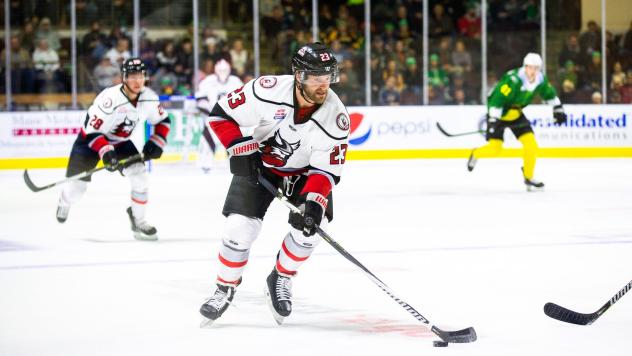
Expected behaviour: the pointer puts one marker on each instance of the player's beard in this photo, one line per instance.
(316, 95)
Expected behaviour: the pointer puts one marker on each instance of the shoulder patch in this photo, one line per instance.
(107, 103)
(342, 121)
(268, 82)
(505, 89)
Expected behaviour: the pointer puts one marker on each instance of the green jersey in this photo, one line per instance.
(513, 92)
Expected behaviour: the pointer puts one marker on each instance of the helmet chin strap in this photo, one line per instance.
(299, 85)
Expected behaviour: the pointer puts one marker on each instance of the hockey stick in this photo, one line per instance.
(443, 131)
(568, 316)
(458, 336)
(35, 188)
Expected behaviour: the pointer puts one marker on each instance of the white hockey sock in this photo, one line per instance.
(139, 202)
(72, 192)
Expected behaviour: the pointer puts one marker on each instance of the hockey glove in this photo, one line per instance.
(110, 161)
(493, 125)
(153, 147)
(559, 115)
(245, 158)
(314, 208)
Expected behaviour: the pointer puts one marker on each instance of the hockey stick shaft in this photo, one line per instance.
(460, 336)
(443, 131)
(566, 315)
(35, 188)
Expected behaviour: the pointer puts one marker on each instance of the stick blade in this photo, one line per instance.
(29, 182)
(568, 316)
(442, 130)
(456, 337)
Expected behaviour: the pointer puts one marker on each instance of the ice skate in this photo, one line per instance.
(62, 212)
(142, 230)
(216, 305)
(533, 185)
(471, 162)
(278, 291)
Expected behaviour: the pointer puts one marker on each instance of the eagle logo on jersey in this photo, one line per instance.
(267, 82)
(343, 122)
(125, 128)
(275, 151)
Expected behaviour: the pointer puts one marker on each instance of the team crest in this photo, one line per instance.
(280, 114)
(343, 122)
(267, 82)
(125, 128)
(275, 151)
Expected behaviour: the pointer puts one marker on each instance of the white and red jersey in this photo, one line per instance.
(112, 117)
(315, 145)
(212, 89)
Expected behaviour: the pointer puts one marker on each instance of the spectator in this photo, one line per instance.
(618, 73)
(185, 59)
(339, 51)
(392, 70)
(44, 31)
(27, 36)
(167, 57)
(435, 96)
(626, 90)
(590, 40)
(105, 74)
(440, 24)
(626, 41)
(148, 55)
(207, 68)
(461, 58)
(389, 95)
(569, 94)
(119, 53)
(592, 76)
(412, 76)
(21, 66)
(445, 54)
(459, 97)
(239, 57)
(596, 98)
(569, 72)
(94, 44)
(571, 52)
(437, 77)
(46, 62)
(469, 25)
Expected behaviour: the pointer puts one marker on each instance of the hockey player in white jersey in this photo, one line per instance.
(115, 113)
(213, 88)
(299, 144)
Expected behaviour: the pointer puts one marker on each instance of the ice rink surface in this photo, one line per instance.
(464, 249)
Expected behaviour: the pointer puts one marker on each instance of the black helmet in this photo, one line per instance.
(315, 59)
(132, 65)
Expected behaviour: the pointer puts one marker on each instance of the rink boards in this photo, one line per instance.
(44, 139)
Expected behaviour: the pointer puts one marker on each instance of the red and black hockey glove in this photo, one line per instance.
(110, 161)
(313, 211)
(245, 158)
(153, 147)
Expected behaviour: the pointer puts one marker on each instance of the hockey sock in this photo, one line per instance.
(295, 249)
(530, 152)
(491, 149)
(72, 192)
(239, 234)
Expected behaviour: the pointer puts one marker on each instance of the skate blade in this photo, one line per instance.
(533, 189)
(206, 323)
(277, 317)
(141, 237)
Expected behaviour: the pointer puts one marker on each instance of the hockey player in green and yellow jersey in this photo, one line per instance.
(515, 90)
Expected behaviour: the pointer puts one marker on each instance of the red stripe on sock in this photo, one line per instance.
(141, 202)
(220, 280)
(280, 269)
(231, 264)
(290, 255)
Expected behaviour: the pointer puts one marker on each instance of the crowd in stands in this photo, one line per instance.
(40, 58)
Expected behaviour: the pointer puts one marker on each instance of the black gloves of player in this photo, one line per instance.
(492, 127)
(245, 158)
(110, 161)
(559, 115)
(314, 209)
(153, 148)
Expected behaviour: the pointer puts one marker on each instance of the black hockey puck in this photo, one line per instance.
(439, 343)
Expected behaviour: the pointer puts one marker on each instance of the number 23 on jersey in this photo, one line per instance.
(338, 154)
(236, 98)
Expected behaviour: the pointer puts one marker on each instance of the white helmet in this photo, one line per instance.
(532, 59)
(222, 69)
